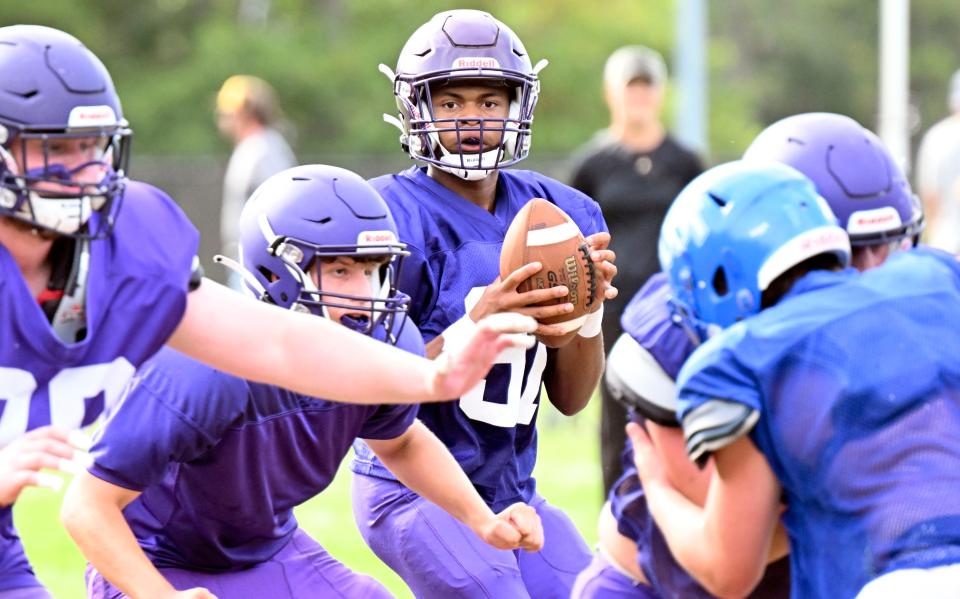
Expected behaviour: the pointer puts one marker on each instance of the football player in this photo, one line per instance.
(98, 271)
(807, 399)
(858, 177)
(204, 468)
(466, 91)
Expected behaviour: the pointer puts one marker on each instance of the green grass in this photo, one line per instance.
(568, 475)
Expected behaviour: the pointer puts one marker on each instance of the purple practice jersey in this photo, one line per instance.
(648, 321)
(454, 253)
(221, 462)
(850, 386)
(135, 297)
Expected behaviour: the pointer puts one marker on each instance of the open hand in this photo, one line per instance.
(49, 447)
(457, 371)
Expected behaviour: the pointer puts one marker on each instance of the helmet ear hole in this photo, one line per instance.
(720, 281)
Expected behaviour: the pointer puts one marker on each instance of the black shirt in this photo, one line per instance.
(634, 190)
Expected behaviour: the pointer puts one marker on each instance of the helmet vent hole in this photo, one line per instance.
(720, 201)
(720, 281)
(300, 179)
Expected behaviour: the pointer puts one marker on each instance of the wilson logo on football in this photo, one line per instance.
(476, 62)
(91, 116)
(376, 238)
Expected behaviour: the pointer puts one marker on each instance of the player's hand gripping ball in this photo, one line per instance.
(542, 232)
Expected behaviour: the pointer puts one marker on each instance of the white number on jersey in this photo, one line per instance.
(521, 399)
(67, 391)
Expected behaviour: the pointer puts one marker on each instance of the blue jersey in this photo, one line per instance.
(454, 253)
(854, 384)
(136, 296)
(221, 462)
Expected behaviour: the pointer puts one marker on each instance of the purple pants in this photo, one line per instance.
(440, 558)
(600, 580)
(302, 569)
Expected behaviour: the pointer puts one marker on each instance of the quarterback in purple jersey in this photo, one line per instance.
(466, 90)
(97, 272)
(858, 177)
(205, 468)
(806, 397)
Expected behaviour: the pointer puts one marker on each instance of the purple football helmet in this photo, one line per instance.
(311, 212)
(463, 45)
(851, 169)
(54, 91)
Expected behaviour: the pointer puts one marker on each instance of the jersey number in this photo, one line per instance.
(66, 391)
(521, 399)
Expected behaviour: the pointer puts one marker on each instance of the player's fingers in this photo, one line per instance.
(607, 269)
(35, 460)
(638, 437)
(598, 241)
(520, 340)
(610, 292)
(503, 535)
(522, 516)
(543, 312)
(54, 447)
(603, 256)
(506, 322)
(49, 432)
(80, 440)
(527, 522)
(522, 274)
(535, 296)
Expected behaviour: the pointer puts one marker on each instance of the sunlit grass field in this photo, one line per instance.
(567, 473)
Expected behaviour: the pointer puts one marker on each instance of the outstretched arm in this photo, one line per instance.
(422, 463)
(92, 514)
(725, 544)
(314, 356)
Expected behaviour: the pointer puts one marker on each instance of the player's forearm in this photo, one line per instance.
(300, 352)
(103, 536)
(683, 524)
(424, 465)
(573, 372)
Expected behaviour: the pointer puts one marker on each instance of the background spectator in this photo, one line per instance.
(247, 114)
(634, 169)
(938, 175)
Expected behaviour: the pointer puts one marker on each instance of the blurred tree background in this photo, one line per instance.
(766, 60)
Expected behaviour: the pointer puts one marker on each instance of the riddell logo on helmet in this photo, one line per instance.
(91, 116)
(376, 237)
(873, 221)
(476, 62)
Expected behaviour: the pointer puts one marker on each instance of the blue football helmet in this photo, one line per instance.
(54, 91)
(310, 212)
(736, 228)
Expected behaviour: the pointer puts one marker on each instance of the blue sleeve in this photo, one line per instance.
(719, 400)
(174, 410)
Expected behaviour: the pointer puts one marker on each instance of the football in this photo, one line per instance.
(542, 232)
